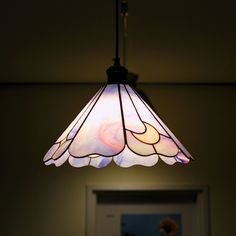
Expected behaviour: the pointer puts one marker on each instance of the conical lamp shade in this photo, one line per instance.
(116, 125)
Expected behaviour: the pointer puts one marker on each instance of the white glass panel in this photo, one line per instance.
(79, 162)
(132, 120)
(73, 123)
(166, 146)
(144, 112)
(127, 158)
(102, 131)
(168, 160)
(51, 151)
(100, 162)
(137, 146)
(61, 149)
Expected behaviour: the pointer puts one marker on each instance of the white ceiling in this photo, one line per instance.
(73, 41)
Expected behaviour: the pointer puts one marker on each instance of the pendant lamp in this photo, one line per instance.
(116, 124)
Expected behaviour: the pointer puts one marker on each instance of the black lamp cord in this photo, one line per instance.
(117, 74)
(117, 58)
(124, 15)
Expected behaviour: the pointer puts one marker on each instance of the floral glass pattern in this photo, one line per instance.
(117, 124)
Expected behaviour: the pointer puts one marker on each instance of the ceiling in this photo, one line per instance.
(73, 41)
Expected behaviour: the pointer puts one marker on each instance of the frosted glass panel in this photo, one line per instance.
(79, 162)
(127, 158)
(168, 160)
(100, 162)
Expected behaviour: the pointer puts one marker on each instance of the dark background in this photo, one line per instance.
(72, 41)
(53, 58)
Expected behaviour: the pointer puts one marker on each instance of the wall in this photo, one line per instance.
(41, 201)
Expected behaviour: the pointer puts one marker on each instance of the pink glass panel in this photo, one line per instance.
(182, 158)
(166, 146)
(102, 132)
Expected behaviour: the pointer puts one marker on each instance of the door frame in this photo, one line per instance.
(202, 201)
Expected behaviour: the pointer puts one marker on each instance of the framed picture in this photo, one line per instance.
(151, 224)
(147, 211)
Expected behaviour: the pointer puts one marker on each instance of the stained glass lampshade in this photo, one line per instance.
(117, 124)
